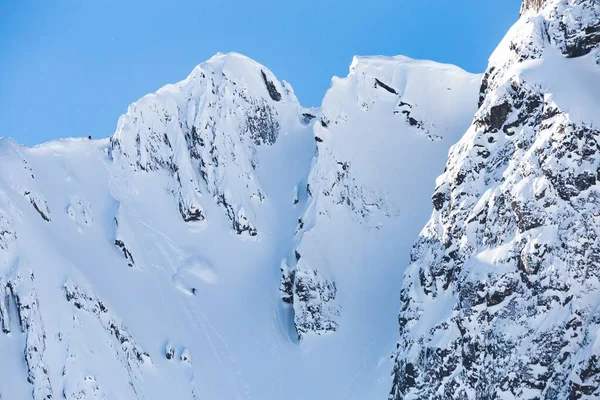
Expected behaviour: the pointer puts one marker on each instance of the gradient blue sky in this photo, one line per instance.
(71, 67)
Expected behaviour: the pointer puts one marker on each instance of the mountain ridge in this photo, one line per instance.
(184, 256)
(227, 243)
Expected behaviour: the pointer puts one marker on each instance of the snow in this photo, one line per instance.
(227, 243)
(500, 298)
(169, 237)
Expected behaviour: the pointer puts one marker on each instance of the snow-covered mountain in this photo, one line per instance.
(227, 243)
(501, 300)
(382, 135)
(224, 242)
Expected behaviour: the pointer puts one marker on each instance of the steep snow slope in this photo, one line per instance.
(148, 265)
(367, 194)
(381, 138)
(501, 298)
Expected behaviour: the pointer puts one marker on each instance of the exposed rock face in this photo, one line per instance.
(126, 349)
(313, 308)
(571, 25)
(23, 294)
(533, 5)
(312, 297)
(500, 300)
(204, 160)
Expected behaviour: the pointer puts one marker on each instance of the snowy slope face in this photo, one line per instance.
(19, 304)
(202, 134)
(120, 255)
(381, 136)
(28, 316)
(501, 298)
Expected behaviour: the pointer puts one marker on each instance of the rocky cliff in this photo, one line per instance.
(501, 298)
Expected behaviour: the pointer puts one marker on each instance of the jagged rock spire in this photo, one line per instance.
(531, 5)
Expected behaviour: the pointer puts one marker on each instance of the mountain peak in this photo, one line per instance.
(238, 70)
(233, 64)
(534, 5)
(232, 57)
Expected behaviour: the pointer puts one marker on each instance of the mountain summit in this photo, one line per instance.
(533, 5)
(227, 243)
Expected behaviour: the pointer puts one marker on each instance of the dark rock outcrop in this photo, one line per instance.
(275, 95)
(126, 253)
(312, 295)
(390, 89)
(534, 5)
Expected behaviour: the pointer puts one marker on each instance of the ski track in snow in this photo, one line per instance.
(230, 369)
(363, 365)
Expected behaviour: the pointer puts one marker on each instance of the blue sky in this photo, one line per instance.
(71, 67)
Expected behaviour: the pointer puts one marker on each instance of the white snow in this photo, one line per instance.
(198, 287)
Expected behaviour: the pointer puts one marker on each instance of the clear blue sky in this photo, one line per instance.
(71, 67)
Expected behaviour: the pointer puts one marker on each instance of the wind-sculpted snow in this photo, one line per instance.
(500, 300)
(382, 133)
